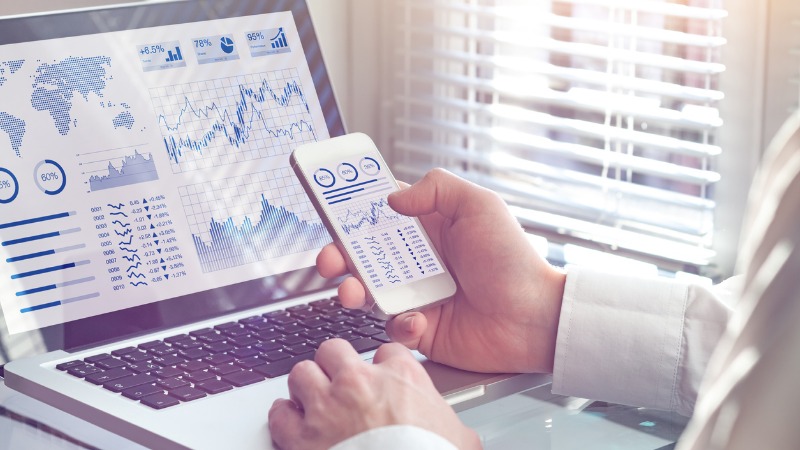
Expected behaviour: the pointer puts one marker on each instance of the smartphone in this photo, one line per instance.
(348, 182)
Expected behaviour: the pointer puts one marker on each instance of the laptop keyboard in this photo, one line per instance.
(209, 361)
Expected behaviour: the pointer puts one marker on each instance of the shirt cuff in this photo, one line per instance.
(395, 437)
(619, 338)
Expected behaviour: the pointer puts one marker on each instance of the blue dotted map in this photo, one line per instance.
(55, 86)
(13, 126)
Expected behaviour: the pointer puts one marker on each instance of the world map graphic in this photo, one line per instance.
(54, 89)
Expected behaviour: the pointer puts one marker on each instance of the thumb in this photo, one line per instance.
(439, 191)
(407, 329)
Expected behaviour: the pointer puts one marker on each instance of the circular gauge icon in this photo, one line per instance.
(50, 177)
(324, 178)
(348, 172)
(9, 186)
(369, 166)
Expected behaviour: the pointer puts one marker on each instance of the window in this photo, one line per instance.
(597, 120)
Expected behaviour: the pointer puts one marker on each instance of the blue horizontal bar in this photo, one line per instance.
(349, 187)
(36, 220)
(31, 256)
(31, 238)
(36, 290)
(344, 193)
(340, 201)
(41, 271)
(38, 307)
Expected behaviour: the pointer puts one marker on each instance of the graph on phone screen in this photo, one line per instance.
(389, 247)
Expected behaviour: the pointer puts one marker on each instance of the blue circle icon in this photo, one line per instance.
(8, 183)
(226, 44)
(348, 172)
(324, 178)
(50, 177)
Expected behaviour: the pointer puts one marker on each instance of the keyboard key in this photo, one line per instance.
(187, 393)
(276, 355)
(83, 370)
(238, 331)
(70, 364)
(242, 341)
(355, 312)
(124, 383)
(358, 322)
(226, 326)
(225, 369)
(201, 332)
(244, 352)
(173, 383)
(260, 326)
(383, 337)
(335, 317)
(166, 372)
(299, 349)
(96, 358)
(176, 338)
(110, 363)
(169, 360)
(251, 319)
(369, 331)
(193, 366)
(196, 377)
(218, 347)
(317, 342)
(187, 344)
(291, 328)
(219, 359)
(143, 367)
(162, 350)
(214, 386)
(137, 357)
(305, 314)
(108, 375)
(243, 378)
(365, 344)
(278, 368)
(149, 345)
(348, 336)
(314, 334)
(136, 393)
(283, 320)
(279, 313)
(264, 347)
(270, 335)
(194, 353)
(337, 328)
(314, 323)
(291, 340)
(212, 338)
(249, 363)
(160, 401)
(123, 351)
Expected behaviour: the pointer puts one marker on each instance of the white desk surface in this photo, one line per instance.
(535, 419)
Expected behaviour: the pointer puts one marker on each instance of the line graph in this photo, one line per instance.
(228, 120)
(250, 218)
(117, 167)
(368, 216)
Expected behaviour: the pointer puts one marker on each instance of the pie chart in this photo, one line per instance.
(227, 44)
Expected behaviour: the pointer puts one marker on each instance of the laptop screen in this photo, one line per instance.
(144, 177)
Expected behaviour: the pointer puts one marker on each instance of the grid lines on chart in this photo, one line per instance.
(223, 121)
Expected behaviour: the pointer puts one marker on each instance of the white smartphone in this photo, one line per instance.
(348, 182)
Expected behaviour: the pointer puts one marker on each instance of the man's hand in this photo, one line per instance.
(339, 396)
(504, 315)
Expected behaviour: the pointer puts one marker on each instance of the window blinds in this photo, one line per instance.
(596, 120)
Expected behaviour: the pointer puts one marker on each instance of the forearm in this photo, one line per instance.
(636, 341)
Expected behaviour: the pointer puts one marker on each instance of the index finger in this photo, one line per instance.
(334, 355)
(330, 262)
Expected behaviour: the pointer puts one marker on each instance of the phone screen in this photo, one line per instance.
(390, 248)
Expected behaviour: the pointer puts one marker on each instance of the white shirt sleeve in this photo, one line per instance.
(395, 437)
(638, 341)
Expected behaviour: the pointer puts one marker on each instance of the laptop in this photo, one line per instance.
(151, 229)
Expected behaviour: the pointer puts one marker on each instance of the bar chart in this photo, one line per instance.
(250, 218)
